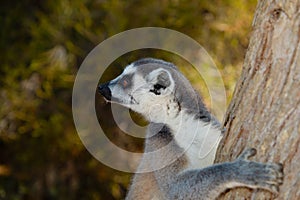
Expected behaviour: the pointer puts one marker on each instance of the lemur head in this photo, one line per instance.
(152, 87)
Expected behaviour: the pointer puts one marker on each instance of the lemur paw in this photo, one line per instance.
(268, 176)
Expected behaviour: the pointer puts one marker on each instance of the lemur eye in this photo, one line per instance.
(125, 83)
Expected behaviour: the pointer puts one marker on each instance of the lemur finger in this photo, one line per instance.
(279, 167)
(272, 188)
(274, 180)
(247, 154)
(273, 174)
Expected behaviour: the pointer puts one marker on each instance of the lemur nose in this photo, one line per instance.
(105, 91)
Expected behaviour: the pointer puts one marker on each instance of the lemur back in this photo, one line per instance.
(182, 138)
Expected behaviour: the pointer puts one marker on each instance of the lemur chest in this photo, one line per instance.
(199, 142)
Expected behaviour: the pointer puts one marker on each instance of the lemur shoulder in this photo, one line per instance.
(182, 138)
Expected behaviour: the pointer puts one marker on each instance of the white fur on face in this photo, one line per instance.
(138, 97)
(155, 108)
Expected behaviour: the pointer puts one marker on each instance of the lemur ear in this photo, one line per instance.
(160, 80)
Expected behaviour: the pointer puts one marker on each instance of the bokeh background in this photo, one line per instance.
(43, 43)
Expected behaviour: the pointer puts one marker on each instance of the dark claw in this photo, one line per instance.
(247, 153)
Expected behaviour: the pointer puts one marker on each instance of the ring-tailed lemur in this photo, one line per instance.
(186, 136)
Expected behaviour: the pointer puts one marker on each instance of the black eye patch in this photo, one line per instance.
(156, 89)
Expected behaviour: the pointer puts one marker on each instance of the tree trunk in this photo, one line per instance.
(265, 110)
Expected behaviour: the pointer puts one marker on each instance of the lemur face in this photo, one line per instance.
(145, 86)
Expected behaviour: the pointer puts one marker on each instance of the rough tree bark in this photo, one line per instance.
(265, 110)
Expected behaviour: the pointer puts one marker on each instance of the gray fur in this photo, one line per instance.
(153, 61)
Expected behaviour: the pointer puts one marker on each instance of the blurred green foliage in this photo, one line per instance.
(42, 46)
